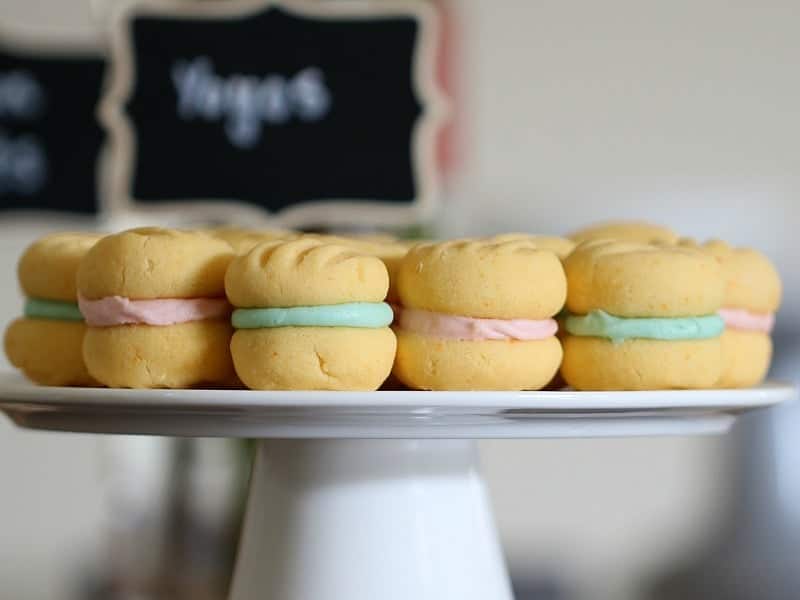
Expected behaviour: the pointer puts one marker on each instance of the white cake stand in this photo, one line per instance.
(374, 495)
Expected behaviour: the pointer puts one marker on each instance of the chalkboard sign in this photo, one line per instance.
(49, 134)
(319, 112)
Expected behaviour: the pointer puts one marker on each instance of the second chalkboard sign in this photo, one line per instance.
(49, 135)
(317, 112)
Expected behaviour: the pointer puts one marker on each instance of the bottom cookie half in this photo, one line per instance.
(48, 351)
(313, 358)
(171, 356)
(592, 363)
(746, 356)
(431, 363)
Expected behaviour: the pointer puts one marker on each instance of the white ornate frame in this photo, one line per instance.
(117, 201)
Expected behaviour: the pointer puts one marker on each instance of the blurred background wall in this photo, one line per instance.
(680, 112)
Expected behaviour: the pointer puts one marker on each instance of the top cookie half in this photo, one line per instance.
(150, 263)
(630, 279)
(304, 272)
(484, 278)
(627, 231)
(48, 267)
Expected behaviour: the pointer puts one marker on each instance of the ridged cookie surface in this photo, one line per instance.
(151, 262)
(483, 278)
(630, 231)
(304, 272)
(48, 267)
(390, 251)
(243, 240)
(630, 279)
(751, 280)
(560, 245)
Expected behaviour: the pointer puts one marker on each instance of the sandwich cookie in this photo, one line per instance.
(478, 315)
(752, 297)
(310, 316)
(46, 343)
(627, 231)
(154, 301)
(642, 317)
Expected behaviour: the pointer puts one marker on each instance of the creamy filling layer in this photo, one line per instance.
(39, 308)
(744, 320)
(117, 310)
(458, 327)
(599, 323)
(350, 314)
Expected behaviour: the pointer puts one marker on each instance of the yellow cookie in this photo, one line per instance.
(46, 343)
(751, 280)
(631, 279)
(47, 268)
(304, 272)
(154, 303)
(642, 317)
(243, 240)
(562, 247)
(428, 362)
(477, 315)
(629, 231)
(592, 363)
(559, 245)
(375, 238)
(483, 278)
(171, 356)
(61, 363)
(746, 358)
(310, 316)
(151, 262)
(752, 296)
(314, 358)
(390, 251)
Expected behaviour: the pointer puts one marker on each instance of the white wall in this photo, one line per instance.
(681, 112)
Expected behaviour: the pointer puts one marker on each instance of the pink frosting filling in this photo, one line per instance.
(470, 328)
(116, 310)
(738, 318)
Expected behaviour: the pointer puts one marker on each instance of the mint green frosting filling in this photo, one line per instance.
(601, 324)
(36, 308)
(353, 314)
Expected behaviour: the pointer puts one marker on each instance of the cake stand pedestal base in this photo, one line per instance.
(368, 520)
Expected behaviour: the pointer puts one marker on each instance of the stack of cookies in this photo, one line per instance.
(617, 306)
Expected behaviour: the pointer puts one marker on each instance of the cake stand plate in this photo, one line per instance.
(365, 495)
(382, 414)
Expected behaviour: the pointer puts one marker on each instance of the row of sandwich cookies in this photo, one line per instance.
(152, 307)
(470, 314)
(659, 314)
(309, 314)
